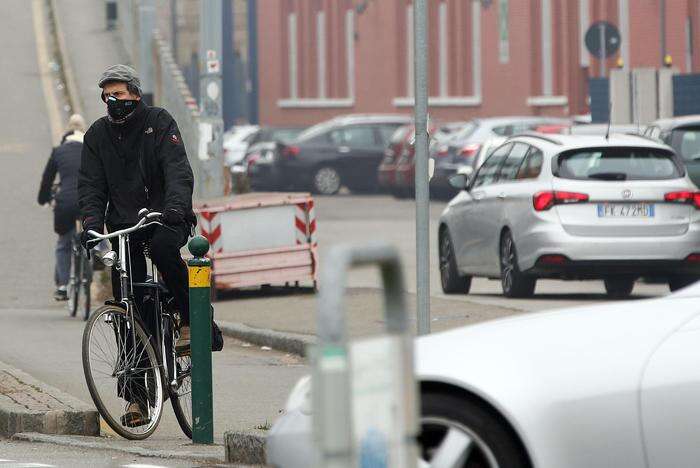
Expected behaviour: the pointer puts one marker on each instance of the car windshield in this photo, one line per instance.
(284, 135)
(686, 142)
(615, 164)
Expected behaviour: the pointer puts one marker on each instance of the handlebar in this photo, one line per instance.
(143, 222)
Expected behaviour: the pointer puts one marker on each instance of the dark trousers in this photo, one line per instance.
(164, 244)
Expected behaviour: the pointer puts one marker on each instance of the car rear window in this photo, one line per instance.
(613, 164)
(686, 142)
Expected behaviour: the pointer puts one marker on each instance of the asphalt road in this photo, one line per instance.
(357, 218)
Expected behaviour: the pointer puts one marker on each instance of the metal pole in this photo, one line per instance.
(601, 30)
(147, 25)
(420, 25)
(662, 20)
(199, 271)
(211, 127)
(229, 82)
(253, 117)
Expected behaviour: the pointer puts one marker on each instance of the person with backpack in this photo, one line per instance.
(64, 162)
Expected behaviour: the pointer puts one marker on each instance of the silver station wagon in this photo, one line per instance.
(572, 207)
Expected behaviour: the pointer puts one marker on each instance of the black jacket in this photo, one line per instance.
(64, 161)
(141, 163)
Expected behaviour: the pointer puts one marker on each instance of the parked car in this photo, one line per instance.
(386, 174)
(344, 151)
(683, 135)
(406, 164)
(262, 149)
(611, 385)
(572, 207)
(235, 143)
(461, 149)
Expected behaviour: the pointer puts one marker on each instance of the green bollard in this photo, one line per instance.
(199, 269)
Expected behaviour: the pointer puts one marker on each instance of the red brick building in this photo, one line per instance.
(320, 58)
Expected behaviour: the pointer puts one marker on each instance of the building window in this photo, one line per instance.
(321, 65)
(547, 97)
(445, 95)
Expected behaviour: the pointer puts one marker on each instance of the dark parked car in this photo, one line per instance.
(683, 135)
(344, 151)
(462, 148)
(387, 169)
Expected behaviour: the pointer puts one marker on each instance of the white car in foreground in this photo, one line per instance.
(612, 385)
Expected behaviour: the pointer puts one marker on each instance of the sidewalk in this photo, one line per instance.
(290, 311)
(92, 49)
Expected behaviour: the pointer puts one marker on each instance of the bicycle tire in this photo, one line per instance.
(87, 270)
(74, 283)
(180, 405)
(95, 393)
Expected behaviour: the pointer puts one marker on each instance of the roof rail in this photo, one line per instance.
(539, 136)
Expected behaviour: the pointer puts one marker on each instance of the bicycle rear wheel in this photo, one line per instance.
(181, 395)
(86, 283)
(74, 283)
(119, 373)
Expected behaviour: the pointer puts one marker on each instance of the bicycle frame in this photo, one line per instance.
(127, 292)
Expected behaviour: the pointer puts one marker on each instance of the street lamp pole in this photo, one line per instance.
(420, 25)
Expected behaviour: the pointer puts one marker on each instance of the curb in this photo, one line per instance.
(294, 343)
(244, 448)
(131, 449)
(66, 64)
(27, 405)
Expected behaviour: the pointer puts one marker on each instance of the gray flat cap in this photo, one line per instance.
(120, 73)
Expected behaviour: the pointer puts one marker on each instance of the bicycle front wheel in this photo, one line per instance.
(122, 370)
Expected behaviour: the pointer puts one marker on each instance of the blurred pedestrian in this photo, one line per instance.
(64, 162)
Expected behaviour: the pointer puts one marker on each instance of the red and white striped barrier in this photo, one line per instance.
(260, 238)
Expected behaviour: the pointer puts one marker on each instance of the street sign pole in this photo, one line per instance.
(211, 126)
(602, 50)
(420, 25)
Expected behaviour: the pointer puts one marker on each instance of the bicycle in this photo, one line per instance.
(80, 278)
(119, 353)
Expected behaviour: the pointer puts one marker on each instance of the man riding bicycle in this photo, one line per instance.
(64, 161)
(134, 158)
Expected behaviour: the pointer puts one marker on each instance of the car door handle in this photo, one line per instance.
(343, 149)
(502, 196)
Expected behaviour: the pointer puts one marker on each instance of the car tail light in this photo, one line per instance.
(443, 151)
(693, 258)
(552, 260)
(469, 150)
(543, 201)
(290, 151)
(685, 196)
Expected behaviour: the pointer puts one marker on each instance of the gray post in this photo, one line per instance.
(173, 29)
(603, 55)
(420, 25)
(211, 125)
(147, 25)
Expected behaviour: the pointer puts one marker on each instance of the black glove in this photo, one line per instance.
(172, 217)
(85, 237)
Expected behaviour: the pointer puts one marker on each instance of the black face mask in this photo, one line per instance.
(119, 109)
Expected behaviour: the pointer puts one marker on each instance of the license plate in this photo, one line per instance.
(625, 210)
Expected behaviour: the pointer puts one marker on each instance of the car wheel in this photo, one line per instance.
(460, 432)
(326, 181)
(681, 281)
(452, 282)
(513, 282)
(619, 287)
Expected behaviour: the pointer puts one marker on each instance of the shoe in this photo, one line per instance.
(135, 416)
(61, 294)
(183, 341)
